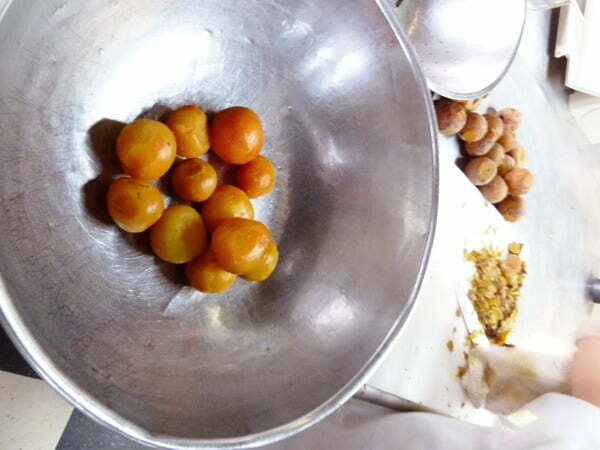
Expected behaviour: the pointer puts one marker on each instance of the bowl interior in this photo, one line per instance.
(114, 329)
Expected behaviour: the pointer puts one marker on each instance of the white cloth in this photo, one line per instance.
(505, 379)
(552, 422)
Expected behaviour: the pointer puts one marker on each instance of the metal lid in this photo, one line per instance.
(465, 46)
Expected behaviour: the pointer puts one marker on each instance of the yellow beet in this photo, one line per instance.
(451, 117)
(190, 127)
(495, 125)
(146, 149)
(227, 202)
(496, 154)
(267, 265)
(481, 171)
(519, 181)
(512, 208)
(239, 245)
(475, 129)
(179, 236)
(511, 117)
(495, 191)
(482, 146)
(205, 274)
(134, 205)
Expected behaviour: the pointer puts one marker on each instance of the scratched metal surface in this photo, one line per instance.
(114, 330)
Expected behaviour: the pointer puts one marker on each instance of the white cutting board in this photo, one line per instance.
(421, 368)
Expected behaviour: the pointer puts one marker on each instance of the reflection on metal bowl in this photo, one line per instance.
(464, 46)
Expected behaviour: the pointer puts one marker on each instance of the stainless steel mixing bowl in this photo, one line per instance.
(349, 125)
